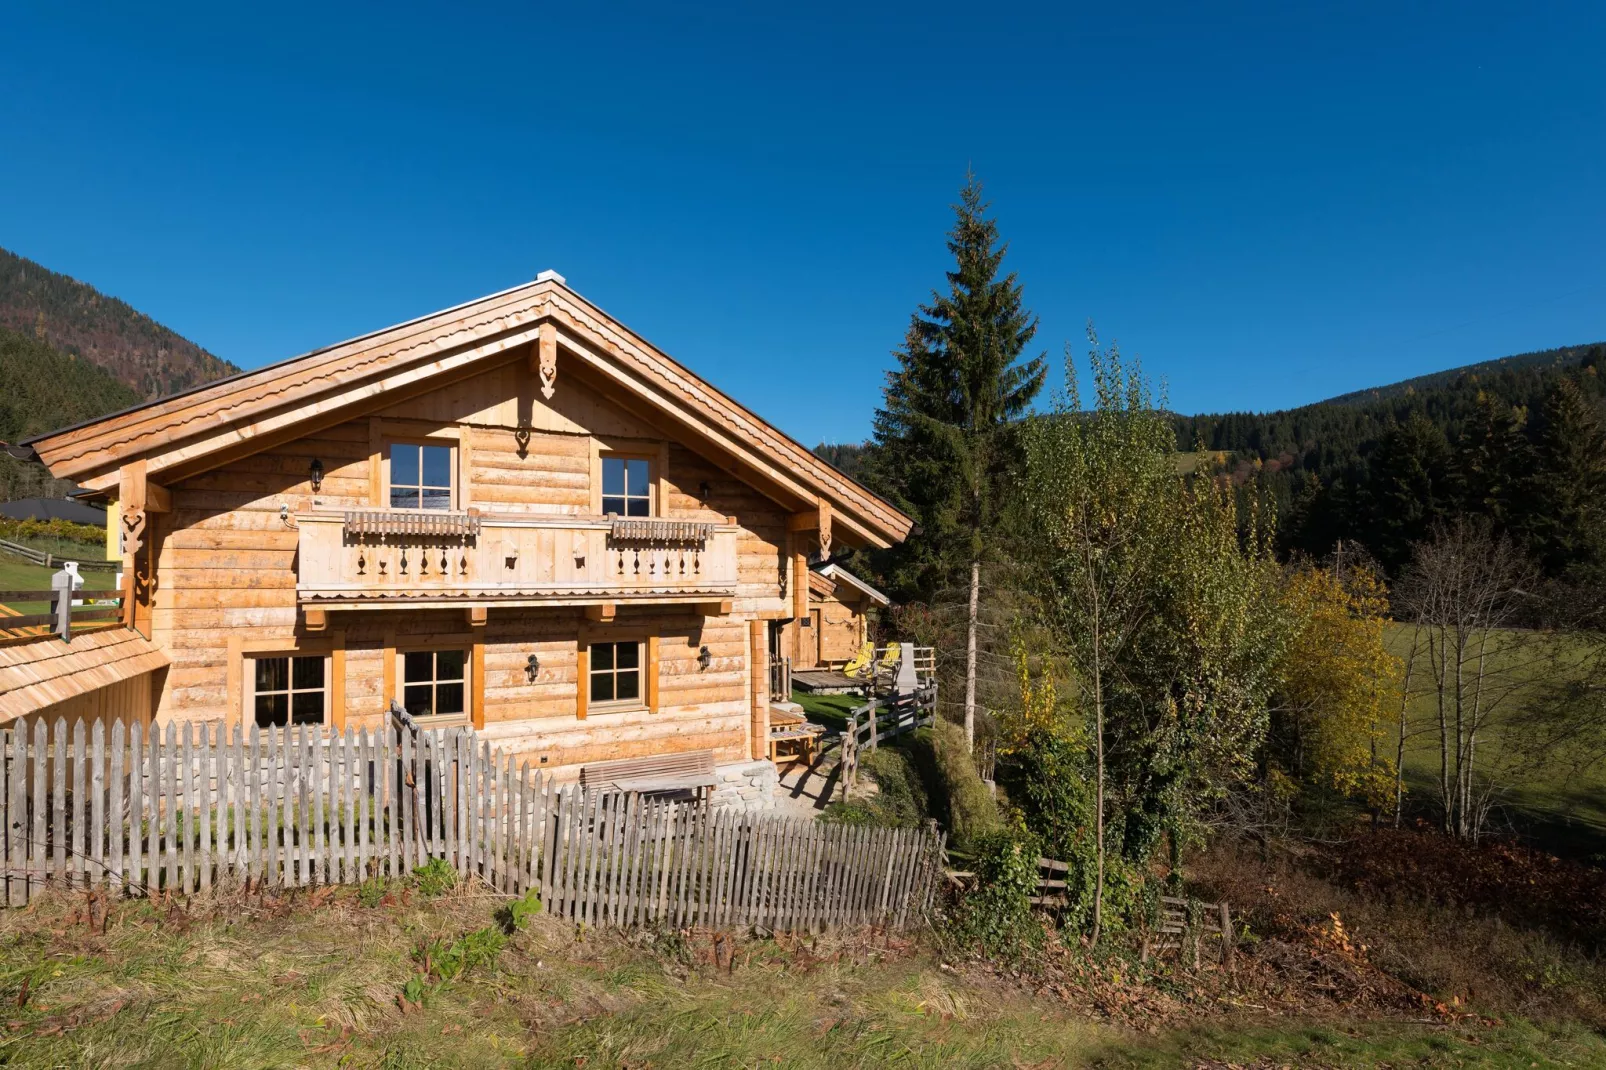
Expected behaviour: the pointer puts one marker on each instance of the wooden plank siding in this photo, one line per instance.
(227, 569)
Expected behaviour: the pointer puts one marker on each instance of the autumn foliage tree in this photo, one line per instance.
(1332, 711)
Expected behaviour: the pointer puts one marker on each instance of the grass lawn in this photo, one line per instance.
(830, 710)
(323, 981)
(1561, 806)
(18, 575)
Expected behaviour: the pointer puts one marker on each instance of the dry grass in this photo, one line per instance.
(318, 980)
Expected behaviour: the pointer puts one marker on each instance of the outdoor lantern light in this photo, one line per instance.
(532, 666)
(703, 658)
(704, 489)
(316, 471)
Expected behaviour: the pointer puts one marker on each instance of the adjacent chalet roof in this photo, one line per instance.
(47, 670)
(838, 574)
(203, 428)
(53, 509)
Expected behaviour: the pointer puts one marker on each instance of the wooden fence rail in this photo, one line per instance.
(180, 809)
(891, 715)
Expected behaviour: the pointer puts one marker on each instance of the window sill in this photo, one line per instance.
(426, 724)
(629, 707)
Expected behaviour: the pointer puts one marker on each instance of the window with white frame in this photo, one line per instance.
(626, 486)
(420, 476)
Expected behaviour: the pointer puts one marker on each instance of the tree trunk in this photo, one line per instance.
(1098, 789)
(1399, 748)
(970, 658)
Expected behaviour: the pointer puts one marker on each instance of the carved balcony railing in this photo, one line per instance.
(375, 557)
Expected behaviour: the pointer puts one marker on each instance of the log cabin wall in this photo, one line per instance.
(227, 572)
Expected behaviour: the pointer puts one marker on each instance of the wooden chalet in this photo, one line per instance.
(515, 514)
(837, 624)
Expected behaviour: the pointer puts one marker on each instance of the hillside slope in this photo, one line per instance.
(1564, 357)
(42, 389)
(77, 319)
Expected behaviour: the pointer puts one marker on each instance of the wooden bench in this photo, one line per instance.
(685, 772)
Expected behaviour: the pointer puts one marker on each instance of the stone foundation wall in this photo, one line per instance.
(746, 786)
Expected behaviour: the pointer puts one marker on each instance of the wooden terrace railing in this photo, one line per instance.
(23, 612)
(869, 722)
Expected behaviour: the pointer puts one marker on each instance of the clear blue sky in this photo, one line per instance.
(1270, 204)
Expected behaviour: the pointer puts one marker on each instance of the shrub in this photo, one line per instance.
(957, 795)
(22, 530)
(435, 877)
(997, 914)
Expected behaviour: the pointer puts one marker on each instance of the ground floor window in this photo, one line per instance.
(289, 689)
(435, 683)
(616, 674)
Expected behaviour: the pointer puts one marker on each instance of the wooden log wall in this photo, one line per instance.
(226, 561)
(186, 809)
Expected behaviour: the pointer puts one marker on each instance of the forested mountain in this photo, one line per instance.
(42, 389)
(1519, 441)
(77, 319)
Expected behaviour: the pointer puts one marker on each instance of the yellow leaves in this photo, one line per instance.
(1335, 677)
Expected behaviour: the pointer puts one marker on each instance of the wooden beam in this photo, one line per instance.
(721, 608)
(544, 358)
(477, 684)
(317, 618)
(477, 616)
(582, 678)
(602, 613)
(158, 499)
(758, 663)
(652, 673)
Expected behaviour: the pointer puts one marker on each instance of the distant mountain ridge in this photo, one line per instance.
(78, 320)
(1560, 357)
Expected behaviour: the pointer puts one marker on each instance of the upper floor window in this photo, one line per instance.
(420, 476)
(627, 486)
(288, 690)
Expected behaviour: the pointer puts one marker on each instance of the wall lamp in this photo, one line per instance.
(704, 658)
(532, 668)
(316, 472)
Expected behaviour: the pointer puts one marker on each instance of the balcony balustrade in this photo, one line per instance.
(376, 558)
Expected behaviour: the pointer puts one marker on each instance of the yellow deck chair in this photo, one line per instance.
(862, 662)
(889, 660)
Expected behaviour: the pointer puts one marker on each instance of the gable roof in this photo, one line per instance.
(188, 433)
(53, 509)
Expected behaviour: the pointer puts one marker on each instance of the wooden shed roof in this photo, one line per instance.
(47, 670)
(203, 428)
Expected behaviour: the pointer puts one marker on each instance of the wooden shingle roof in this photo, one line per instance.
(47, 670)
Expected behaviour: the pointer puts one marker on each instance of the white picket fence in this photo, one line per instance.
(184, 808)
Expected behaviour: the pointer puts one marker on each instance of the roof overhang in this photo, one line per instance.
(45, 671)
(838, 574)
(201, 429)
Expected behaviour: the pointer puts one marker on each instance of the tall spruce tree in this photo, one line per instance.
(1567, 490)
(946, 437)
(1492, 459)
(1408, 488)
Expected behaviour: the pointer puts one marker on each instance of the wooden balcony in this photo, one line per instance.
(374, 559)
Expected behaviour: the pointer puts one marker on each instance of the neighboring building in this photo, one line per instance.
(53, 509)
(514, 513)
(837, 624)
